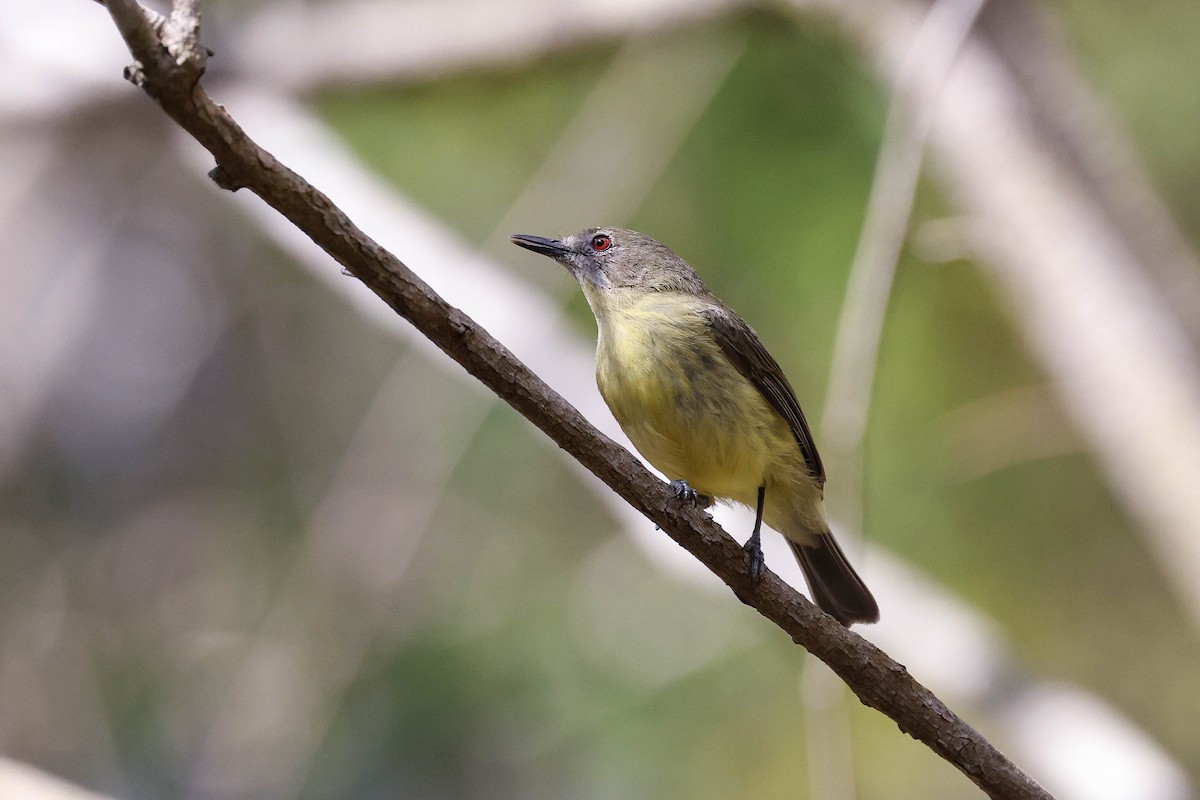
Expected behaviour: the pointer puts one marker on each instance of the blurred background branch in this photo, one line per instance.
(21, 780)
(860, 332)
(1084, 298)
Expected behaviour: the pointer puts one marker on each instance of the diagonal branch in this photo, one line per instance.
(169, 71)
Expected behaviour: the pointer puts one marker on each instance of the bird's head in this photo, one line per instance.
(607, 259)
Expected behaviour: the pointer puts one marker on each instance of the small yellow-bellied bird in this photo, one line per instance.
(702, 399)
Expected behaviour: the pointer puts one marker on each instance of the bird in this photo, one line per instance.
(701, 398)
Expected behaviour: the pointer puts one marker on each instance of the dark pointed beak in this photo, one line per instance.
(539, 244)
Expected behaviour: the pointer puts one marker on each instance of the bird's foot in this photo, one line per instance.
(685, 492)
(758, 564)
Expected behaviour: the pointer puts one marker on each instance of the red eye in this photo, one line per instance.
(601, 243)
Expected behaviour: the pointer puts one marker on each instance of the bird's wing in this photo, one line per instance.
(742, 347)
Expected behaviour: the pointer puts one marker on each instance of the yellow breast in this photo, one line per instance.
(684, 406)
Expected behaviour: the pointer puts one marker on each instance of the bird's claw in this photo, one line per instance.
(683, 491)
(758, 564)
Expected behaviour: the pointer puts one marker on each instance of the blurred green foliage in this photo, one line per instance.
(514, 644)
(1143, 61)
(766, 199)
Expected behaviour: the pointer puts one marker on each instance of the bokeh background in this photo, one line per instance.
(257, 540)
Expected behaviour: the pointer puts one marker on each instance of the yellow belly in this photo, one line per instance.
(685, 407)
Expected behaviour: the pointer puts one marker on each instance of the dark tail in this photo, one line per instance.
(834, 584)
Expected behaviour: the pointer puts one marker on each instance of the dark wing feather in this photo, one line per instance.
(742, 347)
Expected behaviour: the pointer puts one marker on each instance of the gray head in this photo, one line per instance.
(612, 258)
